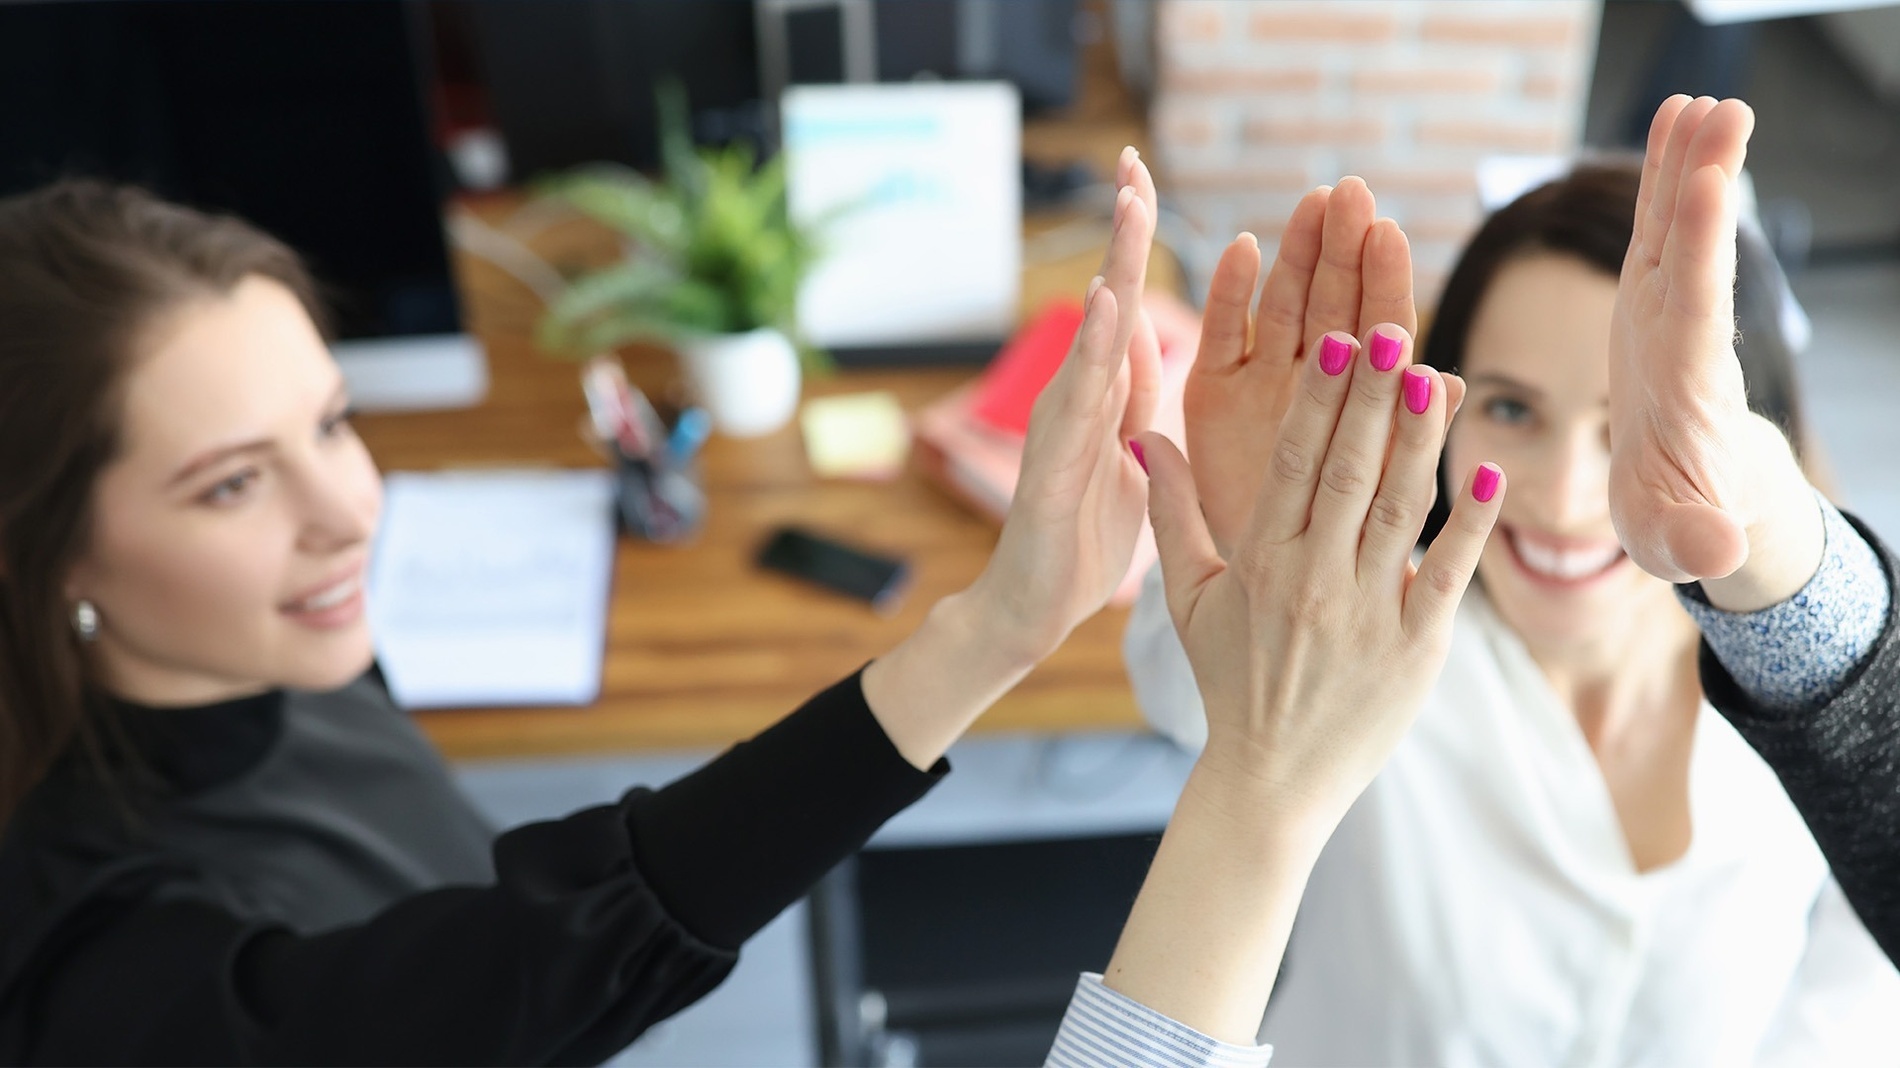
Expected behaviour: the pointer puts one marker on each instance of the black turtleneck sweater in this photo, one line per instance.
(301, 881)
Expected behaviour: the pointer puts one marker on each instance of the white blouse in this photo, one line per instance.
(1479, 905)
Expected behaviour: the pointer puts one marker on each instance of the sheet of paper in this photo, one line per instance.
(491, 587)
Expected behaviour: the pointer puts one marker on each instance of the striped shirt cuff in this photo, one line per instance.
(1106, 1028)
(1794, 657)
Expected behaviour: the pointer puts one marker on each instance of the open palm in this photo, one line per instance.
(1681, 434)
(1078, 509)
(1338, 268)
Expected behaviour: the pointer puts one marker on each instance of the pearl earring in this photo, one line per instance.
(86, 621)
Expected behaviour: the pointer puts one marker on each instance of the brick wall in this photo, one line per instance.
(1258, 101)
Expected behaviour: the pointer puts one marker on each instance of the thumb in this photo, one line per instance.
(1188, 557)
(1704, 542)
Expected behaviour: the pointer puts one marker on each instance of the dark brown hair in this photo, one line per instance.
(1590, 214)
(85, 269)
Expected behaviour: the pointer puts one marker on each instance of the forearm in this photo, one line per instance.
(1204, 940)
(1835, 754)
(730, 845)
(927, 690)
(567, 958)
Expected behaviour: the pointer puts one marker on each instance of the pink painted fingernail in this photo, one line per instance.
(1140, 457)
(1418, 390)
(1484, 484)
(1334, 354)
(1384, 351)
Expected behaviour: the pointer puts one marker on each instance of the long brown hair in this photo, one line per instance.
(1590, 214)
(85, 269)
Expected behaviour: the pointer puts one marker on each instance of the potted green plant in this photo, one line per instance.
(712, 268)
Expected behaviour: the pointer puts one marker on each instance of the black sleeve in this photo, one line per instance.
(1841, 766)
(599, 925)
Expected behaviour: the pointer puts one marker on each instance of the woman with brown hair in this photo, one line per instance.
(1572, 858)
(219, 841)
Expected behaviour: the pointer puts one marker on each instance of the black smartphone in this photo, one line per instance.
(880, 580)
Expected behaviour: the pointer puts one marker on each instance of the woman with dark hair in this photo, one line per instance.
(220, 842)
(1571, 858)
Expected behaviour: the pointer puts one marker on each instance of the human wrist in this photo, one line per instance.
(929, 688)
(1256, 803)
(1018, 633)
(1786, 538)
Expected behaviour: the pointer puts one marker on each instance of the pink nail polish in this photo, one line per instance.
(1418, 391)
(1334, 355)
(1384, 351)
(1140, 457)
(1484, 484)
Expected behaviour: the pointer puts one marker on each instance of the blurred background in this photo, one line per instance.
(454, 170)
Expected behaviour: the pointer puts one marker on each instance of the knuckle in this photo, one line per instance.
(1368, 393)
(1442, 579)
(1392, 514)
(1292, 462)
(1316, 391)
(1472, 521)
(1344, 476)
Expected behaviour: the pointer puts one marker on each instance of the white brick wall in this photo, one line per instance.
(1260, 100)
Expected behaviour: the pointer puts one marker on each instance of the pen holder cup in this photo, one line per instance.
(661, 503)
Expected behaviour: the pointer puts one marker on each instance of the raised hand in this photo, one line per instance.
(1699, 486)
(1338, 268)
(1314, 639)
(1073, 524)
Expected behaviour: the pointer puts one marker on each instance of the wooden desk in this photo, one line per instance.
(703, 649)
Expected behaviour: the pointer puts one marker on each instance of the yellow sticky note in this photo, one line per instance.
(856, 435)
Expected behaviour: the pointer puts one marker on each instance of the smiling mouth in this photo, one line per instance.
(337, 605)
(329, 598)
(1563, 567)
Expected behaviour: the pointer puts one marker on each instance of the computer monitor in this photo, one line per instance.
(306, 118)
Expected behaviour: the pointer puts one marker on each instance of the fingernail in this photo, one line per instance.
(1121, 204)
(1484, 484)
(1140, 457)
(1334, 354)
(1088, 299)
(1418, 390)
(1384, 351)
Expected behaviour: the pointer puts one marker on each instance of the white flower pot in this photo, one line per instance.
(747, 382)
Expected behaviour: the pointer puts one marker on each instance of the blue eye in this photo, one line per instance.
(231, 489)
(1508, 411)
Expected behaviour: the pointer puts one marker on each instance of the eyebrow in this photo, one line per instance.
(218, 455)
(1493, 378)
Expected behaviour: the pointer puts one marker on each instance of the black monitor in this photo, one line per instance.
(572, 82)
(306, 118)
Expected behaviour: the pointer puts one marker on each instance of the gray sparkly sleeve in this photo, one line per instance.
(1795, 656)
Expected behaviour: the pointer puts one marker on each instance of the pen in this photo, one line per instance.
(689, 433)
